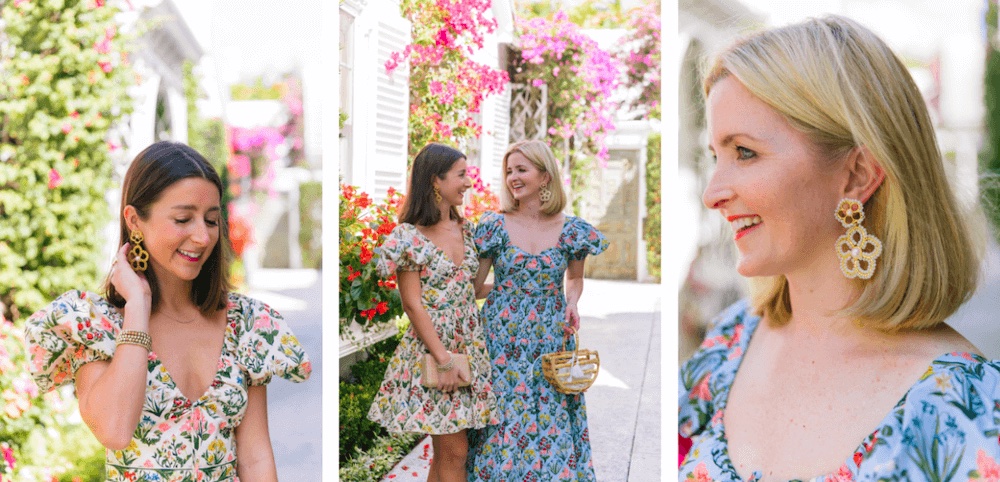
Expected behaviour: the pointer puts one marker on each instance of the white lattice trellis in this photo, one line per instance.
(528, 112)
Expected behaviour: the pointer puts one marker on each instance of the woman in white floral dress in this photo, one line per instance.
(169, 366)
(432, 253)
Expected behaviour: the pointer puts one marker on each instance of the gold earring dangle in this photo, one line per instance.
(858, 250)
(137, 256)
(437, 195)
(544, 193)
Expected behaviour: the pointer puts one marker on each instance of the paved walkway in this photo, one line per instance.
(621, 320)
(295, 409)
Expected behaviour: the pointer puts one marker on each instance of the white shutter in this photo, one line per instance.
(493, 167)
(390, 110)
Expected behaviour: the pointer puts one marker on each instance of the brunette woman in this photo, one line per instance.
(170, 366)
(433, 256)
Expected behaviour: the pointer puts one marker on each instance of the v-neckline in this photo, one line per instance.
(562, 230)
(465, 247)
(228, 332)
(750, 325)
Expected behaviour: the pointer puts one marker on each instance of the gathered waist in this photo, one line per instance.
(529, 290)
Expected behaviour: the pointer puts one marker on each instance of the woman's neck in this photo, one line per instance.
(174, 295)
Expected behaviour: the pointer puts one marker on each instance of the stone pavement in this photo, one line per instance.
(295, 409)
(621, 320)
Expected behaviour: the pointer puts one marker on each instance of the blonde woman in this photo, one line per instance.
(537, 254)
(839, 366)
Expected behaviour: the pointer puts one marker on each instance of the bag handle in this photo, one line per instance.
(576, 337)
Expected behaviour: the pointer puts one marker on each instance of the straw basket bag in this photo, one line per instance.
(571, 372)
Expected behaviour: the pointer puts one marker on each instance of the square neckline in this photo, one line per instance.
(750, 324)
(559, 240)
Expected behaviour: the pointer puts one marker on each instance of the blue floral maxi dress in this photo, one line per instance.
(402, 404)
(946, 426)
(542, 435)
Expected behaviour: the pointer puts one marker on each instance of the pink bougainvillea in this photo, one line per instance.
(447, 88)
(642, 59)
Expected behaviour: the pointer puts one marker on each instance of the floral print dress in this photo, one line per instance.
(946, 426)
(542, 435)
(402, 404)
(178, 439)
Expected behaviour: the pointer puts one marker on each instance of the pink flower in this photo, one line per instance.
(988, 468)
(8, 455)
(54, 178)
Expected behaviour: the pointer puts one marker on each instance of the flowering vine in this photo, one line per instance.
(447, 88)
(481, 199)
(641, 59)
(580, 78)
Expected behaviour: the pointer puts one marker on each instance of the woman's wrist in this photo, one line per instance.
(136, 315)
(442, 358)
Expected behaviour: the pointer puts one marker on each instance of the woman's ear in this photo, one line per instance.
(865, 174)
(131, 217)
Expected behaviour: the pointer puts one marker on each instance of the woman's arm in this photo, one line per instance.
(574, 288)
(409, 292)
(111, 393)
(483, 288)
(254, 456)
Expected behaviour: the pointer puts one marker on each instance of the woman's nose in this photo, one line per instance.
(718, 192)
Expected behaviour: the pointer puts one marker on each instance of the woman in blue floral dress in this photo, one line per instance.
(840, 366)
(432, 254)
(170, 367)
(532, 247)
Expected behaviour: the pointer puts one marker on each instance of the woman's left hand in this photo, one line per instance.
(572, 320)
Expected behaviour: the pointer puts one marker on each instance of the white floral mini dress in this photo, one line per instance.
(402, 404)
(177, 440)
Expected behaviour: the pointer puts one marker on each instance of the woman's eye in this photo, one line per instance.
(212, 222)
(743, 153)
(181, 221)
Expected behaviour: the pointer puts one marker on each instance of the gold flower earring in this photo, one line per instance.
(544, 193)
(858, 250)
(437, 195)
(137, 256)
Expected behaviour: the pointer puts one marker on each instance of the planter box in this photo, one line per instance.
(356, 339)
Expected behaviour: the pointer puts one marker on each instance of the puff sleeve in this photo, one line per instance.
(400, 251)
(582, 239)
(267, 347)
(708, 373)
(487, 235)
(77, 328)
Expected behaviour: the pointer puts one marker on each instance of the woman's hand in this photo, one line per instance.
(130, 284)
(572, 324)
(448, 381)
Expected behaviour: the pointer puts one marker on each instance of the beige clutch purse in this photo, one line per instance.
(429, 377)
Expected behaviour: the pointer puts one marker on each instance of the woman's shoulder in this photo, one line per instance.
(80, 302)
(958, 379)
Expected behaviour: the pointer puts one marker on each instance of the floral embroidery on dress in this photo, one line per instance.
(946, 426)
(543, 434)
(402, 404)
(177, 439)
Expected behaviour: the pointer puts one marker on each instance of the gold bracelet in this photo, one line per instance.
(134, 337)
(447, 366)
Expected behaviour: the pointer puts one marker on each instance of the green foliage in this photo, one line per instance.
(311, 224)
(357, 433)
(591, 14)
(990, 156)
(257, 91)
(65, 75)
(386, 452)
(651, 224)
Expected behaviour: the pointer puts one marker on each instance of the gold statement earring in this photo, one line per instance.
(544, 193)
(857, 249)
(437, 195)
(137, 256)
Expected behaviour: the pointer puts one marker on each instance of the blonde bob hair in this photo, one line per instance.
(839, 84)
(539, 154)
